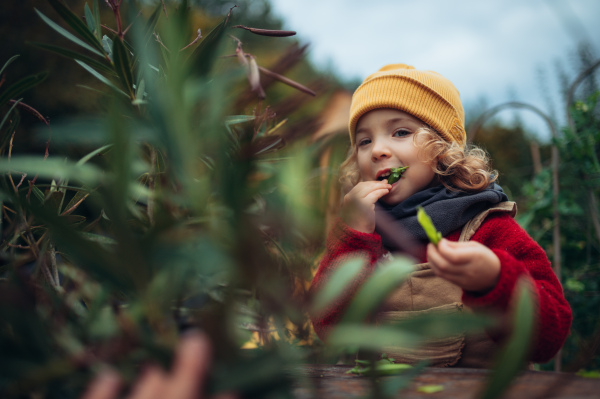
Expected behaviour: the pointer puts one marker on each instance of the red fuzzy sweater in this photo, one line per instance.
(519, 256)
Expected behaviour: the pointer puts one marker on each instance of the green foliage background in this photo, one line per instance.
(166, 194)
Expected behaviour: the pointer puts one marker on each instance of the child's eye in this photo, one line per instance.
(401, 133)
(363, 142)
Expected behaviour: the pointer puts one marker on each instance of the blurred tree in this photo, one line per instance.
(511, 150)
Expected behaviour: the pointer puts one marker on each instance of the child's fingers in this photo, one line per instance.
(439, 263)
(191, 365)
(373, 196)
(150, 385)
(455, 252)
(105, 386)
(367, 187)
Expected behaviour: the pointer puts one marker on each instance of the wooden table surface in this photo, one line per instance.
(329, 381)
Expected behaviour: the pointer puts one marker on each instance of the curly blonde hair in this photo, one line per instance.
(458, 168)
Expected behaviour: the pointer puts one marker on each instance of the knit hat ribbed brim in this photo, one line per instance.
(426, 95)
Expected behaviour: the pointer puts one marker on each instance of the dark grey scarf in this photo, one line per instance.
(449, 210)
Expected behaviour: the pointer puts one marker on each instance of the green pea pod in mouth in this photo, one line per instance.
(396, 174)
(425, 222)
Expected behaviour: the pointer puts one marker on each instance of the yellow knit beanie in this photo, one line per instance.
(426, 95)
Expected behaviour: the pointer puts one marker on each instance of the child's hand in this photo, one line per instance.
(470, 265)
(358, 209)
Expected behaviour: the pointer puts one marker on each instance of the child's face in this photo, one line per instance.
(385, 140)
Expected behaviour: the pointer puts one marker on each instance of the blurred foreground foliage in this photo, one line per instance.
(189, 200)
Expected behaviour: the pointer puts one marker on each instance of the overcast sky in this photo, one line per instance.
(492, 49)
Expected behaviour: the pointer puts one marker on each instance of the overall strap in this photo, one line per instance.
(472, 225)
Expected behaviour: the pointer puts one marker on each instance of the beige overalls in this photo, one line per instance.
(425, 293)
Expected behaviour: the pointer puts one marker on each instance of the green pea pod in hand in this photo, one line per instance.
(425, 222)
(396, 174)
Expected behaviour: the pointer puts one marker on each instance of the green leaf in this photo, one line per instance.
(575, 285)
(9, 112)
(430, 388)
(511, 358)
(92, 154)
(76, 23)
(107, 45)
(88, 255)
(152, 21)
(382, 369)
(237, 119)
(140, 91)
(386, 278)
(122, 66)
(99, 238)
(440, 325)
(425, 222)
(100, 77)
(147, 34)
(396, 174)
(97, 21)
(89, 18)
(17, 88)
(53, 168)
(73, 55)
(68, 34)
(589, 374)
(337, 283)
(7, 63)
(371, 337)
(39, 194)
(204, 55)
(392, 385)
(5, 136)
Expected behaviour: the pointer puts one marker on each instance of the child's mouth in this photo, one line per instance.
(392, 175)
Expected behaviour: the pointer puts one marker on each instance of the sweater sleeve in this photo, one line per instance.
(343, 243)
(520, 256)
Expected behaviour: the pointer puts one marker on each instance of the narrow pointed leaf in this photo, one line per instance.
(75, 23)
(97, 21)
(74, 55)
(513, 355)
(101, 77)
(92, 154)
(9, 112)
(19, 87)
(122, 66)
(203, 56)
(89, 18)
(236, 119)
(140, 91)
(147, 33)
(38, 193)
(337, 284)
(7, 63)
(68, 34)
(152, 21)
(87, 254)
(441, 325)
(53, 168)
(370, 337)
(380, 284)
(427, 224)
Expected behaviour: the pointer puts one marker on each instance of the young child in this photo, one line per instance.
(401, 116)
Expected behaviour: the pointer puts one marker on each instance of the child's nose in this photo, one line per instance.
(380, 150)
